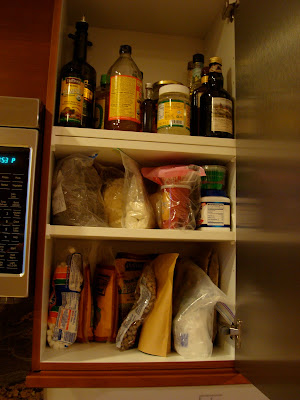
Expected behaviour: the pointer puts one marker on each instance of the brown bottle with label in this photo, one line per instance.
(124, 94)
(216, 108)
(78, 82)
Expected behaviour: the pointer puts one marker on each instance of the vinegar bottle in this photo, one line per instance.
(78, 82)
(124, 94)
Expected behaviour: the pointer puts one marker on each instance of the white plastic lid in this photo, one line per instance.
(215, 199)
(174, 89)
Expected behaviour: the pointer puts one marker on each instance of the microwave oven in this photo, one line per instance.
(19, 154)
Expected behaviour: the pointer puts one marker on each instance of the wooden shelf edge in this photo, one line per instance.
(141, 378)
(153, 366)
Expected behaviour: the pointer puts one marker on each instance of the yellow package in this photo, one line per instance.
(85, 322)
(105, 304)
(155, 336)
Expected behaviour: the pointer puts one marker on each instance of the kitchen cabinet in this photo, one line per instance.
(164, 36)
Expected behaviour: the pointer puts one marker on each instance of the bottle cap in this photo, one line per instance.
(125, 48)
(104, 79)
(174, 89)
(217, 60)
(198, 58)
(148, 85)
(82, 25)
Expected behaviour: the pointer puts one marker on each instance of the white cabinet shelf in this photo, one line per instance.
(145, 148)
(168, 235)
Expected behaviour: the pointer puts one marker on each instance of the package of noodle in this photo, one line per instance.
(64, 302)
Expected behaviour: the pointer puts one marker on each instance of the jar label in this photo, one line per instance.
(173, 113)
(99, 113)
(221, 115)
(125, 98)
(88, 99)
(71, 100)
(214, 215)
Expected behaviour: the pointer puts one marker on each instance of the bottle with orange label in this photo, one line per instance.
(78, 82)
(124, 94)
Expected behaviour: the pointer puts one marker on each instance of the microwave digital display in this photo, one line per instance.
(14, 166)
(7, 159)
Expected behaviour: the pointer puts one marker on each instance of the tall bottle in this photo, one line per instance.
(124, 94)
(216, 110)
(100, 102)
(78, 82)
(196, 96)
(148, 110)
(198, 61)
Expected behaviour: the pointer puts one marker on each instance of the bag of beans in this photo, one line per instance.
(145, 296)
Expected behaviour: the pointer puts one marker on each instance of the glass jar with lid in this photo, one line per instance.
(174, 109)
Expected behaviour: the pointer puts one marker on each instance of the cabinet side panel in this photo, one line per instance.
(50, 101)
(25, 33)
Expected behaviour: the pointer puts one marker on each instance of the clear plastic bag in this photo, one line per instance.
(64, 301)
(194, 306)
(112, 191)
(179, 198)
(137, 209)
(145, 295)
(76, 193)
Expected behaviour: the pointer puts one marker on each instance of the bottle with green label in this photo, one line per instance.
(78, 82)
(100, 102)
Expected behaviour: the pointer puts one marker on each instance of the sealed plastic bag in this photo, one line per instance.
(137, 209)
(196, 300)
(76, 193)
(64, 302)
(145, 296)
(112, 191)
(180, 194)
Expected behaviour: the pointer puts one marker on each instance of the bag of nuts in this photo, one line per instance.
(145, 296)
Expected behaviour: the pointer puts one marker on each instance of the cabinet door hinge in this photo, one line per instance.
(229, 9)
(234, 331)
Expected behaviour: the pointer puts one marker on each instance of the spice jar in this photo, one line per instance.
(173, 115)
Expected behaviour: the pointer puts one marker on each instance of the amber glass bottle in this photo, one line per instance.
(124, 94)
(78, 82)
(196, 96)
(216, 109)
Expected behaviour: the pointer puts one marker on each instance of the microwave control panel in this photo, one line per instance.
(14, 172)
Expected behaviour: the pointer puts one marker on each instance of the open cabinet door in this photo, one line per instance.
(268, 191)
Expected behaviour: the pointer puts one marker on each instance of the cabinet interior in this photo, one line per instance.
(162, 44)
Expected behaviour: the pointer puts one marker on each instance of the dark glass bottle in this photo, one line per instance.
(216, 108)
(148, 110)
(196, 96)
(198, 61)
(78, 83)
(124, 94)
